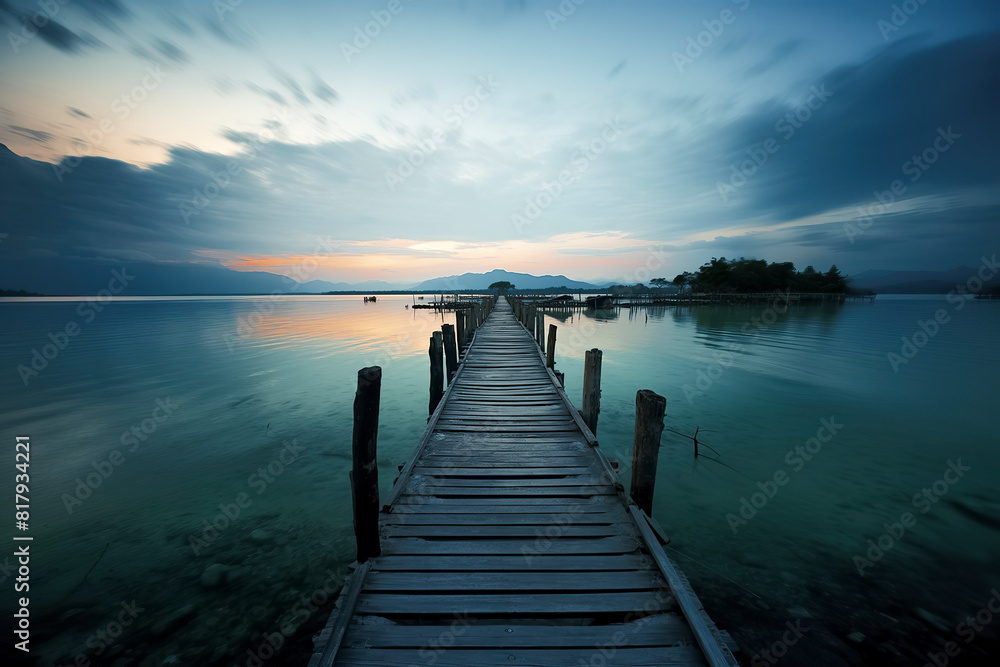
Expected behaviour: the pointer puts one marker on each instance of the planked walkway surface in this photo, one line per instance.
(509, 541)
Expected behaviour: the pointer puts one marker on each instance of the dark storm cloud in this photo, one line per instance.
(876, 117)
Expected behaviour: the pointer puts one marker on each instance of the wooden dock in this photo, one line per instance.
(508, 539)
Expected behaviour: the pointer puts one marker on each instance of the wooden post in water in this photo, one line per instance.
(450, 350)
(550, 348)
(649, 409)
(540, 331)
(364, 475)
(437, 370)
(592, 388)
(460, 331)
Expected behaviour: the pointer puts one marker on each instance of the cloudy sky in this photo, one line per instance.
(405, 140)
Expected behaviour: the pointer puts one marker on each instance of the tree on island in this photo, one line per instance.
(756, 275)
(502, 286)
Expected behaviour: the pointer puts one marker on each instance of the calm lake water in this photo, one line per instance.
(164, 416)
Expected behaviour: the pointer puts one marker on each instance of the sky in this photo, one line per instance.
(401, 140)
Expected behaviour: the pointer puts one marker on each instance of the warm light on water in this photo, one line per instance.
(205, 402)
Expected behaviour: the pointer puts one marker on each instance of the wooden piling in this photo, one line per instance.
(460, 331)
(437, 371)
(592, 388)
(540, 331)
(550, 349)
(450, 350)
(364, 475)
(649, 410)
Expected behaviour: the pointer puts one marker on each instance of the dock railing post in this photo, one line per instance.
(540, 330)
(460, 329)
(364, 475)
(437, 370)
(550, 348)
(592, 388)
(450, 350)
(649, 409)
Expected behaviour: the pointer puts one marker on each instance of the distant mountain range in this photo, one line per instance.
(476, 281)
(79, 278)
(915, 282)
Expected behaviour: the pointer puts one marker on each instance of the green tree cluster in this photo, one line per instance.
(756, 275)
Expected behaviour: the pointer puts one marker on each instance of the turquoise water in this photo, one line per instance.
(188, 412)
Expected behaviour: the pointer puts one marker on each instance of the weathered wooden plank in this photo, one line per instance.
(577, 479)
(532, 472)
(522, 546)
(513, 604)
(511, 582)
(681, 656)
(661, 629)
(506, 519)
(535, 562)
(470, 532)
